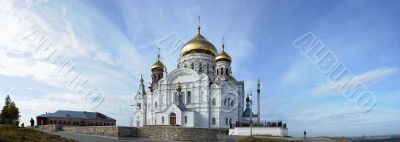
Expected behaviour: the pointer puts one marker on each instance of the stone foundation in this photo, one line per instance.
(50, 128)
(112, 131)
(173, 133)
(168, 133)
(264, 131)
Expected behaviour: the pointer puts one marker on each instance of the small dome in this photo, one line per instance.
(223, 56)
(198, 44)
(157, 65)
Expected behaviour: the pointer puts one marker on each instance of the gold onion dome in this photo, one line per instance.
(198, 44)
(223, 56)
(158, 64)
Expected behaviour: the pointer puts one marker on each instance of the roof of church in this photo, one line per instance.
(76, 114)
(247, 113)
(181, 106)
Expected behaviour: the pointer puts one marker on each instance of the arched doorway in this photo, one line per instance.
(172, 119)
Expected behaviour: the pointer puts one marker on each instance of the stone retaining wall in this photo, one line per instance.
(171, 133)
(168, 133)
(50, 128)
(112, 131)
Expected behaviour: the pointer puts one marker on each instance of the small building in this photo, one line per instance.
(75, 118)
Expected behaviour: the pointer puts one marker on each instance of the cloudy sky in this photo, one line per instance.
(88, 55)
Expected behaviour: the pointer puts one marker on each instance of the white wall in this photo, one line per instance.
(245, 131)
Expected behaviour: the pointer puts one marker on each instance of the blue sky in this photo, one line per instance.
(110, 43)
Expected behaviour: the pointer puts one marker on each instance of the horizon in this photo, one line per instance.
(101, 48)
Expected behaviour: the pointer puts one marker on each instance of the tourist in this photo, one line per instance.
(32, 122)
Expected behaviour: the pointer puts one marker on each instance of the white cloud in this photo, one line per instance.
(321, 120)
(22, 25)
(368, 78)
(19, 59)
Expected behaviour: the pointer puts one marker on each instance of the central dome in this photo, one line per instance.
(198, 44)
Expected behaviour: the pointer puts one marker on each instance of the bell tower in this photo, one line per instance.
(223, 64)
(157, 71)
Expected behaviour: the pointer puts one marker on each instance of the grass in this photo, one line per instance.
(341, 139)
(275, 139)
(16, 134)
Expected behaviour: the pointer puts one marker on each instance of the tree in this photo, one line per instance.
(10, 113)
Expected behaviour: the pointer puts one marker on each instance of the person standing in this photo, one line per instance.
(305, 134)
(32, 122)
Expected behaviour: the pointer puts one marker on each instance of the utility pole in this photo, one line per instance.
(251, 114)
(258, 101)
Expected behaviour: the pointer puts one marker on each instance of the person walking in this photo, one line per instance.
(305, 134)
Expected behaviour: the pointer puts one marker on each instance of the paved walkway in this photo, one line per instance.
(92, 138)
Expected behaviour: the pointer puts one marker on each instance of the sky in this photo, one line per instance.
(88, 55)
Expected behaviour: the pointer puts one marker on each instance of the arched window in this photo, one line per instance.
(189, 97)
(155, 105)
(192, 66)
(232, 103)
(213, 121)
(162, 120)
(217, 72)
(214, 102)
(225, 102)
(222, 71)
(230, 120)
(200, 67)
(227, 71)
(185, 119)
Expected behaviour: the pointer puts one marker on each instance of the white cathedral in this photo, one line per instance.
(201, 92)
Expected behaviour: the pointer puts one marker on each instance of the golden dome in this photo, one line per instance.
(158, 64)
(223, 56)
(198, 44)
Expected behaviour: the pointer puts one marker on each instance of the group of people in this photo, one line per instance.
(32, 123)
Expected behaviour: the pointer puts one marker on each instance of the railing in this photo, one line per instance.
(278, 123)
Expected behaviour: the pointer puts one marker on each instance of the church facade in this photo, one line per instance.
(201, 92)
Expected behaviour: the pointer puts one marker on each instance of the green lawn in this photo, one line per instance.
(16, 134)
